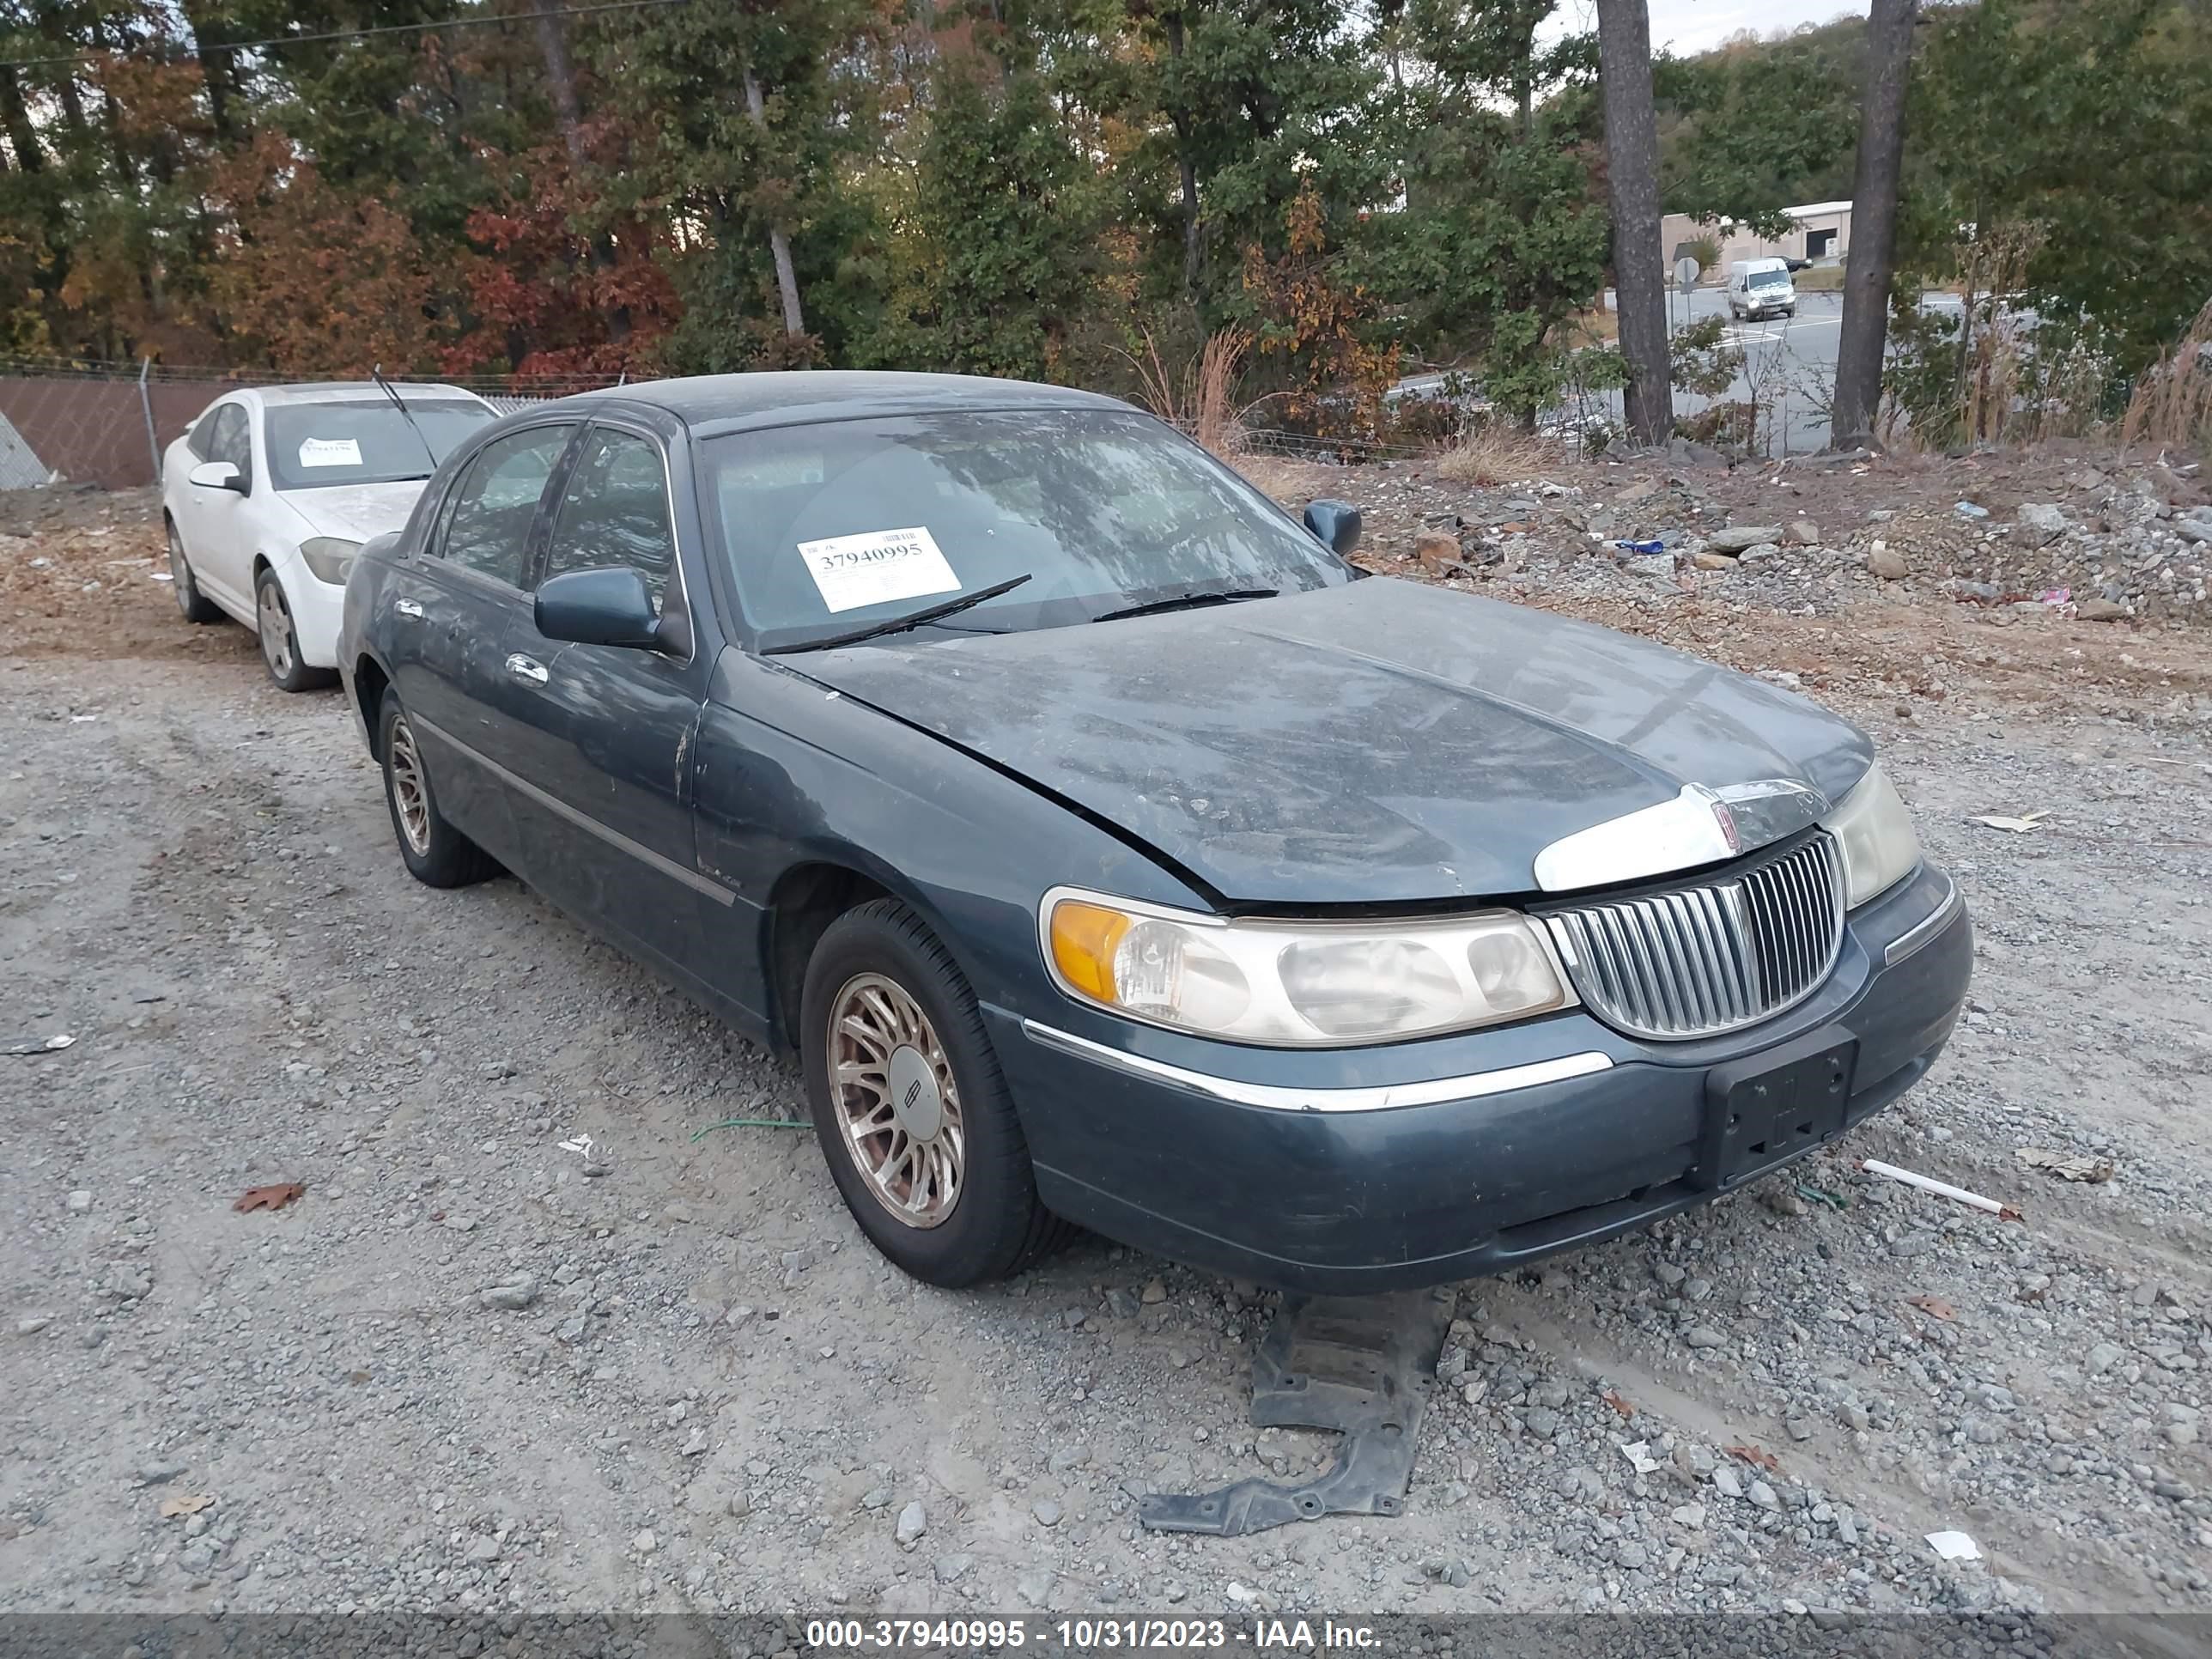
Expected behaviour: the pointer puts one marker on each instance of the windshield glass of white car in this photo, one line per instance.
(1770, 279)
(359, 440)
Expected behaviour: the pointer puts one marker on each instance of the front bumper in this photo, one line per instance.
(318, 608)
(1359, 1171)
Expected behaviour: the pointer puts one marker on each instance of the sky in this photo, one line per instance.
(1686, 27)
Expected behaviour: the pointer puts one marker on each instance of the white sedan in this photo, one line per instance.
(272, 491)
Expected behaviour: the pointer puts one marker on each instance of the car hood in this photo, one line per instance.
(1374, 743)
(356, 511)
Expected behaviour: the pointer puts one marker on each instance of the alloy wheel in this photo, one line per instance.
(277, 648)
(410, 797)
(895, 1100)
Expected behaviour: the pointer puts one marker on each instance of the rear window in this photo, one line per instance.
(362, 440)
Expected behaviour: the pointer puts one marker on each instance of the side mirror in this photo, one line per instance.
(216, 475)
(607, 606)
(1334, 525)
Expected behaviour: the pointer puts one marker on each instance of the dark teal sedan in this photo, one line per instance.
(1111, 851)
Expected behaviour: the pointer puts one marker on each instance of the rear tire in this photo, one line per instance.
(279, 639)
(194, 606)
(436, 854)
(913, 1112)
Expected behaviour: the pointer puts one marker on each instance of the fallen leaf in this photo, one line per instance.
(1758, 1457)
(1618, 1403)
(2019, 826)
(274, 1197)
(185, 1504)
(1933, 1306)
(2067, 1166)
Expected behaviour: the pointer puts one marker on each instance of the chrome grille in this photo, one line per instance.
(1692, 961)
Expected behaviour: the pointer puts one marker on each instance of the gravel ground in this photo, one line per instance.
(465, 1370)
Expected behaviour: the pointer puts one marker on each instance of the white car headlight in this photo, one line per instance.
(1298, 984)
(330, 558)
(1875, 832)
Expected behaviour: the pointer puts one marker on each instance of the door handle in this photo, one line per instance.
(524, 669)
(408, 608)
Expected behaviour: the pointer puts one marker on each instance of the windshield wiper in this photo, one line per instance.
(900, 624)
(1187, 602)
(405, 414)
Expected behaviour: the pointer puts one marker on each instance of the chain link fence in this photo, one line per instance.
(71, 421)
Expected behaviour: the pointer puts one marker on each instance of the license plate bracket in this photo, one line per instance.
(1769, 1108)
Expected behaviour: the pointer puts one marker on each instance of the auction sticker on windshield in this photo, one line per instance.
(329, 452)
(877, 565)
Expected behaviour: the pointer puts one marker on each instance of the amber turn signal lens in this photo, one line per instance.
(1084, 939)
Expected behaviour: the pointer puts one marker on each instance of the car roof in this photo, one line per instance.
(323, 391)
(713, 403)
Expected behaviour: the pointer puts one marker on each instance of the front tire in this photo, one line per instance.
(279, 639)
(436, 854)
(913, 1112)
(194, 606)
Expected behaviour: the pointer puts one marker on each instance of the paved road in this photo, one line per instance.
(1789, 364)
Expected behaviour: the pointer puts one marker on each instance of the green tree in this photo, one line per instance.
(2094, 125)
(743, 115)
(1756, 127)
(1231, 103)
(996, 234)
(1503, 234)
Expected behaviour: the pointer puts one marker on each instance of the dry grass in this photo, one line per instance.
(1596, 326)
(1495, 454)
(1293, 482)
(1819, 279)
(2170, 407)
(1202, 399)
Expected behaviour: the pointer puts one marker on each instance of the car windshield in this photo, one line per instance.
(1770, 279)
(829, 528)
(367, 441)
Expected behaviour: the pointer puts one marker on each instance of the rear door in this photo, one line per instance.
(611, 743)
(462, 605)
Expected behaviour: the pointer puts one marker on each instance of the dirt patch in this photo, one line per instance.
(81, 575)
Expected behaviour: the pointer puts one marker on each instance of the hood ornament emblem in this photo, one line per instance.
(1698, 826)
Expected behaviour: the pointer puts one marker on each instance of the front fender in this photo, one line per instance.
(789, 774)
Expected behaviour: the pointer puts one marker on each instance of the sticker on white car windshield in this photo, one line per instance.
(329, 452)
(877, 565)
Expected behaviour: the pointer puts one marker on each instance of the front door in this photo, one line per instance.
(464, 606)
(213, 522)
(613, 728)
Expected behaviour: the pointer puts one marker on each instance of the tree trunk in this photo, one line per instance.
(560, 82)
(1872, 256)
(15, 118)
(1631, 157)
(218, 70)
(1184, 165)
(779, 241)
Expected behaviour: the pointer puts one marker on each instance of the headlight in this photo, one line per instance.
(1875, 832)
(330, 558)
(1292, 984)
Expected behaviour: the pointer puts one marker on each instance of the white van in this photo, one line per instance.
(1761, 287)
